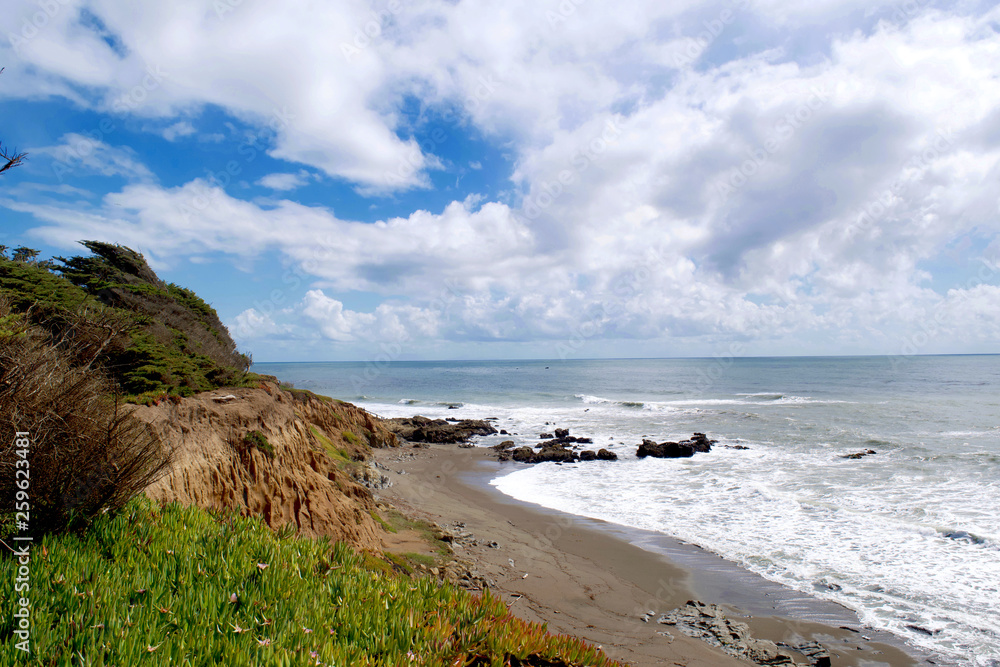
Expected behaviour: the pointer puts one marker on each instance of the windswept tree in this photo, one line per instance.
(8, 158)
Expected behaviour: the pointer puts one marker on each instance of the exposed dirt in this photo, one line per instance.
(303, 478)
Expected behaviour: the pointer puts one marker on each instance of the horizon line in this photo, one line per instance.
(693, 358)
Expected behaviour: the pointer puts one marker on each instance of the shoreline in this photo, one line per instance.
(595, 580)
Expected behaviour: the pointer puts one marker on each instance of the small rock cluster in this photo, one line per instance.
(859, 455)
(460, 571)
(370, 477)
(708, 622)
(557, 447)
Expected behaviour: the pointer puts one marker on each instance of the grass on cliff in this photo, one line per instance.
(182, 586)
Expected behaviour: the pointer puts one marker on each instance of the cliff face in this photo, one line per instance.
(287, 456)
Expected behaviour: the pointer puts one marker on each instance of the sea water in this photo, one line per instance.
(908, 537)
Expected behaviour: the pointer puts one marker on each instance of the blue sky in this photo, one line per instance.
(352, 180)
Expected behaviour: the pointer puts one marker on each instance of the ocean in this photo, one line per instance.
(908, 537)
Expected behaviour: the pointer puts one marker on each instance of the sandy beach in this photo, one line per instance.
(586, 578)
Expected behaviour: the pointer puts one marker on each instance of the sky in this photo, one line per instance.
(466, 179)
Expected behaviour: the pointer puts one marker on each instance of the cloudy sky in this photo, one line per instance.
(549, 178)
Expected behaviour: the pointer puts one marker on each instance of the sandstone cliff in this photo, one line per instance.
(288, 456)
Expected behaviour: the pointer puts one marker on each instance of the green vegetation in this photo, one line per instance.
(382, 522)
(350, 437)
(399, 521)
(87, 454)
(334, 452)
(159, 338)
(420, 559)
(259, 440)
(181, 586)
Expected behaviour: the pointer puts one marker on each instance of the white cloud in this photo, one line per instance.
(77, 151)
(284, 181)
(179, 129)
(290, 76)
(769, 189)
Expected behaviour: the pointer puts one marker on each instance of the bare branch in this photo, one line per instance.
(10, 159)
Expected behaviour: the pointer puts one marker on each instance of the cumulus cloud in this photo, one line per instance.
(281, 70)
(678, 172)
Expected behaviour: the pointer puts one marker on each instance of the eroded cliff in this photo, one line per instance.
(289, 456)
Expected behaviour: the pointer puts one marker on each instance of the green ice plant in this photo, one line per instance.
(157, 585)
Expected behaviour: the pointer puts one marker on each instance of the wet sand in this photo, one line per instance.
(590, 579)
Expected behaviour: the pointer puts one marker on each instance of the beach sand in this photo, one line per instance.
(586, 578)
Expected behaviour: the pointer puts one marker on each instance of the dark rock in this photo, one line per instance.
(736, 447)
(585, 441)
(557, 454)
(545, 436)
(453, 407)
(504, 432)
(523, 455)
(506, 444)
(664, 450)
(606, 455)
(921, 630)
(588, 455)
(699, 442)
(562, 433)
(422, 429)
(859, 455)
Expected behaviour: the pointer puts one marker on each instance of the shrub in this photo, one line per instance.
(87, 453)
(259, 440)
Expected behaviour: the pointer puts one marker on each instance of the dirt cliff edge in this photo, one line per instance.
(286, 455)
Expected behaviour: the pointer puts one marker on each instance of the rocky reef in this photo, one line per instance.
(439, 431)
(710, 623)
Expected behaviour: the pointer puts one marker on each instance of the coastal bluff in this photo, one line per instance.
(289, 456)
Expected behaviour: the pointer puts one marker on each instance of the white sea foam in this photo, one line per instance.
(801, 516)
